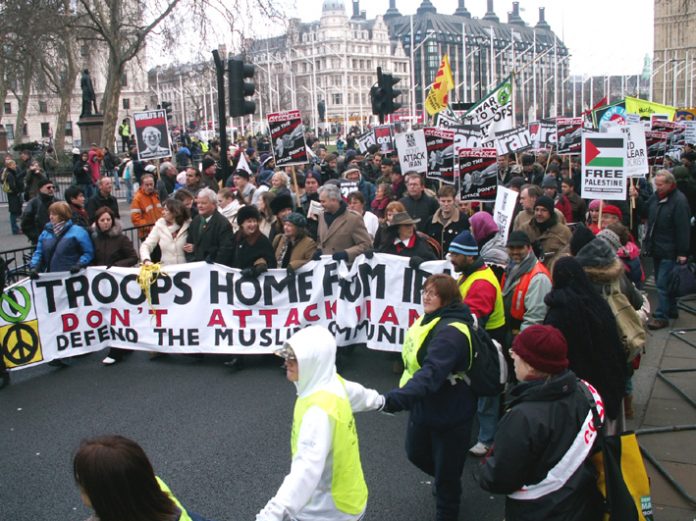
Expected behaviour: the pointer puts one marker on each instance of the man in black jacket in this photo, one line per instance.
(210, 235)
(418, 204)
(103, 197)
(666, 241)
(548, 413)
(35, 215)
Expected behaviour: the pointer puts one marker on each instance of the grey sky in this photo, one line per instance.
(604, 36)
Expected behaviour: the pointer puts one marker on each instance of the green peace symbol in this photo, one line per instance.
(22, 310)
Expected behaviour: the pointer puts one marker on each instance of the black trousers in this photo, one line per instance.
(441, 454)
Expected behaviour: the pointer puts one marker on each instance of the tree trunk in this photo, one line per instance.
(66, 97)
(3, 87)
(25, 94)
(109, 106)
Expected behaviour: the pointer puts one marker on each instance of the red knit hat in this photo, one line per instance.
(613, 210)
(543, 347)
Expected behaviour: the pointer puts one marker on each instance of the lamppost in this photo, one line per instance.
(313, 82)
(413, 49)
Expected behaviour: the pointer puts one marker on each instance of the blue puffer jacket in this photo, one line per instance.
(53, 253)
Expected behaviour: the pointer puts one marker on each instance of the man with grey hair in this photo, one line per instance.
(167, 180)
(342, 232)
(210, 236)
(103, 197)
(666, 241)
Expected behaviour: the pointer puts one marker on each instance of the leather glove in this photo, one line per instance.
(340, 256)
(248, 273)
(388, 407)
(260, 269)
(317, 255)
(34, 275)
(290, 271)
(209, 260)
(76, 268)
(369, 253)
(415, 262)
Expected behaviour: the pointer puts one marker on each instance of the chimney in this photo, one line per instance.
(426, 7)
(462, 11)
(356, 9)
(514, 18)
(490, 13)
(392, 11)
(541, 24)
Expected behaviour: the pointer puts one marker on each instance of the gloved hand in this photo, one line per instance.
(388, 407)
(317, 255)
(369, 253)
(260, 269)
(340, 256)
(76, 268)
(415, 262)
(209, 260)
(290, 271)
(34, 275)
(248, 273)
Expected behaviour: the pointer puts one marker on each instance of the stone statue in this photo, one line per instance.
(89, 100)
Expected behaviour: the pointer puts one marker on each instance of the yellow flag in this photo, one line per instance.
(646, 108)
(438, 96)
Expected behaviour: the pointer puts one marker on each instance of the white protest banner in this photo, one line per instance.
(568, 135)
(440, 145)
(494, 111)
(504, 210)
(689, 131)
(203, 308)
(413, 154)
(513, 140)
(467, 136)
(447, 119)
(636, 150)
(478, 170)
(288, 139)
(543, 133)
(384, 137)
(366, 141)
(603, 161)
(152, 134)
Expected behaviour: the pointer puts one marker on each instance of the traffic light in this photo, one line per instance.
(239, 89)
(167, 106)
(382, 95)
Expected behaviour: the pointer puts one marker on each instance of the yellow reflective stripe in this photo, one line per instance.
(163, 486)
(497, 316)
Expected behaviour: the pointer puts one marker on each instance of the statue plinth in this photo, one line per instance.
(3, 140)
(90, 129)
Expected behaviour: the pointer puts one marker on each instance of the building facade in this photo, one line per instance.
(674, 52)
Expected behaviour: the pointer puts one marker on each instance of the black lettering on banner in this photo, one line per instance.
(247, 342)
(132, 280)
(77, 287)
(48, 286)
(367, 273)
(242, 297)
(223, 336)
(124, 334)
(271, 285)
(161, 285)
(350, 289)
(104, 281)
(216, 288)
(330, 278)
(304, 286)
(180, 283)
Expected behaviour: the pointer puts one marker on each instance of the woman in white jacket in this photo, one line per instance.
(169, 233)
(326, 480)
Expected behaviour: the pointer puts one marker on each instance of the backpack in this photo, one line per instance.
(628, 322)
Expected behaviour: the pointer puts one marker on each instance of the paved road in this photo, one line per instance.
(219, 439)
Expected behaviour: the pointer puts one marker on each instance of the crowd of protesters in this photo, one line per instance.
(543, 292)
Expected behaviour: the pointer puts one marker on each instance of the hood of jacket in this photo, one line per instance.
(114, 231)
(605, 274)
(315, 350)
(550, 389)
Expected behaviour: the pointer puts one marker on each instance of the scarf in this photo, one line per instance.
(59, 228)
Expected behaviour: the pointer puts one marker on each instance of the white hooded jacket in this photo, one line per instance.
(305, 494)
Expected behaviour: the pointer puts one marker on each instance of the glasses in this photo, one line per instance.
(50, 188)
(429, 293)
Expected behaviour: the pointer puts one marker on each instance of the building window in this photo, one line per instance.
(43, 107)
(337, 99)
(126, 103)
(25, 130)
(10, 131)
(68, 128)
(124, 79)
(45, 130)
(8, 108)
(84, 50)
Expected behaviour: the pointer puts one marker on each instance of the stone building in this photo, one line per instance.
(674, 52)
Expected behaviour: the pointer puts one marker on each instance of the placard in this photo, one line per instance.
(478, 173)
(287, 136)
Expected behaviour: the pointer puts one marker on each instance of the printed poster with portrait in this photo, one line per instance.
(152, 135)
(287, 136)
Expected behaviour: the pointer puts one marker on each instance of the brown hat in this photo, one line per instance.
(400, 218)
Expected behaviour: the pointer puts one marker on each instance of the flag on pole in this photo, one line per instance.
(604, 152)
(439, 92)
(243, 164)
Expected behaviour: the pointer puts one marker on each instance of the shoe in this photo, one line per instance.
(657, 323)
(109, 361)
(479, 449)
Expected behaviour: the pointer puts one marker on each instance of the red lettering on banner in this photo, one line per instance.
(269, 314)
(159, 313)
(216, 319)
(330, 308)
(94, 318)
(242, 314)
(70, 322)
(308, 315)
(124, 319)
(412, 316)
(389, 315)
(368, 309)
(358, 312)
(293, 318)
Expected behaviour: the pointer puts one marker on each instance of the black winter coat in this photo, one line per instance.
(420, 249)
(15, 187)
(97, 201)
(668, 226)
(113, 248)
(213, 241)
(82, 173)
(543, 419)
(251, 251)
(35, 216)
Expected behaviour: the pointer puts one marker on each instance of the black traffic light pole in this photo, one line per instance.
(222, 113)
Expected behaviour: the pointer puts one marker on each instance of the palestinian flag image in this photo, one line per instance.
(604, 152)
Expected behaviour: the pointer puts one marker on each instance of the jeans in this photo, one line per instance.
(13, 223)
(129, 190)
(441, 454)
(666, 304)
(488, 409)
